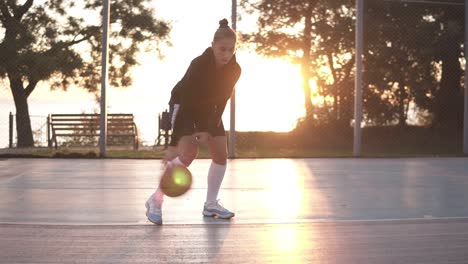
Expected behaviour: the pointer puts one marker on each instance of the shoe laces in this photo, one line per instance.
(155, 205)
(155, 209)
(218, 205)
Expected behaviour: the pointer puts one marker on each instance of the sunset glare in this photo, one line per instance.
(269, 94)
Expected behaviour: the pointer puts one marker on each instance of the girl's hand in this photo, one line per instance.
(201, 138)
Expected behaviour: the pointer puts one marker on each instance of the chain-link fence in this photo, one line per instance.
(413, 76)
(295, 97)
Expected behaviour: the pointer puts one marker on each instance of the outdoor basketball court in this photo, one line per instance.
(412, 210)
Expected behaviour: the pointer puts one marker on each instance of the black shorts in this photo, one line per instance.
(185, 126)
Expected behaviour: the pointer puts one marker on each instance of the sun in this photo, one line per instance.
(268, 95)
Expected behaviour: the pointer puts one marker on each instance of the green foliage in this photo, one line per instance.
(59, 42)
(412, 57)
(280, 25)
(317, 34)
(398, 62)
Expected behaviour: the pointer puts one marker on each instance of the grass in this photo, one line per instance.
(317, 142)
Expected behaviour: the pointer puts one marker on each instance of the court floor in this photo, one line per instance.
(411, 210)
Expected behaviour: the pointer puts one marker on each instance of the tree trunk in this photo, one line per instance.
(336, 88)
(449, 100)
(10, 58)
(345, 94)
(307, 95)
(23, 121)
(402, 95)
(305, 64)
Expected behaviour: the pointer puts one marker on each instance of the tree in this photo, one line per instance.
(279, 35)
(398, 61)
(59, 42)
(448, 104)
(413, 54)
(333, 59)
(316, 34)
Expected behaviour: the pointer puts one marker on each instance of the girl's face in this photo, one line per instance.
(223, 50)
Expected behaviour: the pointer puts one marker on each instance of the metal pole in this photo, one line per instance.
(465, 119)
(10, 130)
(49, 139)
(232, 129)
(104, 78)
(358, 78)
(425, 2)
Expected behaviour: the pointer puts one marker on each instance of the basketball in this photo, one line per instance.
(176, 180)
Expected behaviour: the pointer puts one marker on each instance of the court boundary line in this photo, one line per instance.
(221, 222)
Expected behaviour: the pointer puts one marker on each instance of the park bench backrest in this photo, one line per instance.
(88, 125)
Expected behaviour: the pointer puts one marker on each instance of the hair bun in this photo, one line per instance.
(223, 23)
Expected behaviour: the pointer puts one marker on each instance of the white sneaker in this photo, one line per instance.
(215, 209)
(153, 210)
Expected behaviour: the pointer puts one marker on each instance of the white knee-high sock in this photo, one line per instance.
(159, 195)
(176, 161)
(215, 178)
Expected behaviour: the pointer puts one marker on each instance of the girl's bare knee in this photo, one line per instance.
(188, 151)
(187, 158)
(219, 159)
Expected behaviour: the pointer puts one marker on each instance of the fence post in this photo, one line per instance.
(104, 78)
(465, 111)
(232, 126)
(358, 78)
(49, 140)
(10, 131)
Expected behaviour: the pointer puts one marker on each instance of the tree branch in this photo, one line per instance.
(86, 35)
(332, 67)
(76, 41)
(348, 67)
(19, 13)
(5, 12)
(63, 45)
(30, 88)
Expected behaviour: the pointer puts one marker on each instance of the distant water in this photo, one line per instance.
(146, 123)
(248, 118)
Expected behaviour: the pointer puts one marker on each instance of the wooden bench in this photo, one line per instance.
(84, 128)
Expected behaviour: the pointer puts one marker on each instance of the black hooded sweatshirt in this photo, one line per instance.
(204, 91)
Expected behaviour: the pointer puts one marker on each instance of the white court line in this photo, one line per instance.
(427, 2)
(11, 178)
(244, 222)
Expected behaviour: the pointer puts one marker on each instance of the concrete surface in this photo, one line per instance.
(287, 211)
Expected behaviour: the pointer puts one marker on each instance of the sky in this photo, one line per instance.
(268, 93)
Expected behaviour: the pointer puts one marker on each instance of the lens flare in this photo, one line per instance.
(181, 178)
(176, 181)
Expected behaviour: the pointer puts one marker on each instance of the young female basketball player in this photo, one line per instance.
(198, 102)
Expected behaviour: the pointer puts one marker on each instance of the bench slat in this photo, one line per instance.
(90, 115)
(88, 125)
(90, 135)
(113, 120)
(91, 125)
(109, 130)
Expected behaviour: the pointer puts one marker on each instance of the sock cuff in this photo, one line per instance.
(217, 167)
(177, 161)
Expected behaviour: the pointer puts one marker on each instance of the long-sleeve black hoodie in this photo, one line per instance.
(204, 91)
